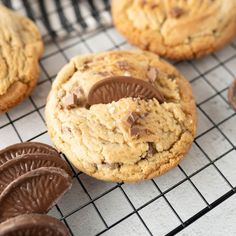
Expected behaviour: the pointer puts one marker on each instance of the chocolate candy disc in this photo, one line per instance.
(232, 95)
(115, 88)
(16, 167)
(20, 149)
(33, 225)
(34, 192)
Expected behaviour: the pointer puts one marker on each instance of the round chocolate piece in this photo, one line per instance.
(21, 149)
(34, 192)
(33, 225)
(115, 88)
(232, 95)
(16, 167)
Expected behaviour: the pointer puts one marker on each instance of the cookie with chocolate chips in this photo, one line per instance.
(21, 47)
(137, 119)
(179, 29)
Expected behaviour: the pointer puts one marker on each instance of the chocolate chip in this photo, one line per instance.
(176, 12)
(71, 101)
(123, 65)
(151, 149)
(232, 95)
(33, 224)
(152, 74)
(114, 166)
(132, 118)
(135, 131)
(115, 88)
(154, 5)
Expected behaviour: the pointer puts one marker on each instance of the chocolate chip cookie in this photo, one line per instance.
(179, 29)
(20, 48)
(121, 115)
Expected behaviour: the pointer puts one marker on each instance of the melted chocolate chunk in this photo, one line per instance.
(34, 192)
(232, 95)
(137, 132)
(176, 12)
(20, 149)
(115, 88)
(33, 224)
(151, 149)
(132, 118)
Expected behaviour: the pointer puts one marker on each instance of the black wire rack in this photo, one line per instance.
(15, 124)
(42, 9)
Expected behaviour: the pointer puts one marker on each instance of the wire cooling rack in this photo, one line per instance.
(201, 187)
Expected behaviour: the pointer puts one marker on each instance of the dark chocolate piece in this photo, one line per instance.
(135, 131)
(16, 167)
(33, 225)
(176, 12)
(151, 149)
(132, 118)
(232, 95)
(115, 88)
(21, 149)
(34, 192)
(71, 101)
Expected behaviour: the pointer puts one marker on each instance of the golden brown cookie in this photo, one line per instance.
(20, 48)
(130, 139)
(176, 29)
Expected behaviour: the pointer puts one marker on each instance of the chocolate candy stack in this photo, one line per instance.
(32, 178)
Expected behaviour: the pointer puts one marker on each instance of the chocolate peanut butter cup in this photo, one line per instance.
(33, 224)
(34, 192)
(115, 88)
(20, 149)
(16, 167)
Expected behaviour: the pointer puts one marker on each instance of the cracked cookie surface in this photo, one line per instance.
(176, 29)
(20, 49)
(128, 140)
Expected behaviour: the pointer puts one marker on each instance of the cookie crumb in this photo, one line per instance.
(232, 95)
(176, 12)
(152, 74)
(71, 101)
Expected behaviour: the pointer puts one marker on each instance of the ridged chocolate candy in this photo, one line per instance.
(21, 149)
(16, 167)
(34, 192)
(115, 88)
(33, 225)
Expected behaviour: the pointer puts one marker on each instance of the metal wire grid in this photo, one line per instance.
(13, 123)
(67, 21)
